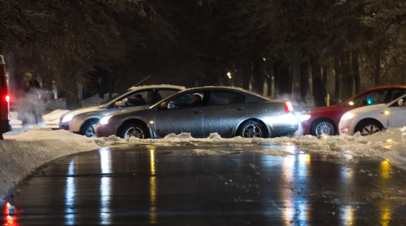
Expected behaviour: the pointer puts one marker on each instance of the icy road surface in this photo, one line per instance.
(209, 185)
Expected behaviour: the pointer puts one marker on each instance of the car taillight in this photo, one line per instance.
(8, 99)
(288, 107)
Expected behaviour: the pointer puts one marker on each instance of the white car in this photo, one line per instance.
(372, 119)
(84, 120)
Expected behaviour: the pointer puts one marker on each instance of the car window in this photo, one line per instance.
(397, 93)
(225, 97)
(111, 102)
(164, 93)
(370, 98)
(400, 102)
(193, 99)
(139, 98)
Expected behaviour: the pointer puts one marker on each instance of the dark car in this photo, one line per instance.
(228, 111)
(4, 101)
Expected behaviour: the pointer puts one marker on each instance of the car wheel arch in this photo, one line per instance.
(268, 130)
(134, 120)
(86, 121)
(323, 119)
(367, 119)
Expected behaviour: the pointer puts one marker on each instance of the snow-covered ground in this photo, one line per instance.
(21, 154)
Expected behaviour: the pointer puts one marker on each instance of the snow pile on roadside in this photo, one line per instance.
(390, 144)
(24, 153)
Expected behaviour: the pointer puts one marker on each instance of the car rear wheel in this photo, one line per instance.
(368, 127)
(88, 129)
(252, 129)
(133, 130)
(324, 126)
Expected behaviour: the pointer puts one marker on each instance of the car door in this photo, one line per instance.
(397, 113)
(181, 114)
(223, 113)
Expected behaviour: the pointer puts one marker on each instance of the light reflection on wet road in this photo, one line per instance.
(176, 186)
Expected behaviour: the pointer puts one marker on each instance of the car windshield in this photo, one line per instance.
(368, 98)
(116, 98)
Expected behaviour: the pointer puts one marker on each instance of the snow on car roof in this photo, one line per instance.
(158, 86)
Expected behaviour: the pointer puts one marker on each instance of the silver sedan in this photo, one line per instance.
(84, 120)
(226, 110)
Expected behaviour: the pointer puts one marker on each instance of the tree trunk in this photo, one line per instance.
(296, 76)
(304, 81)
(271, 85)
(283, 79)
(70, 86)
(377, 73)
(355, 71)
(319, 96)
(276, 67)
(325, 80)
(72, 98)
(246, 73)
(258, 83)
(347, 78)
(337, 88)
(239, 76)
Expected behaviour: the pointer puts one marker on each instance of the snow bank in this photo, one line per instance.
(389, 145)
(22, 154)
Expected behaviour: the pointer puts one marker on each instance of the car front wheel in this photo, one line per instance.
(133, 130)
(88, 128)
(323, 126)
(368, 127)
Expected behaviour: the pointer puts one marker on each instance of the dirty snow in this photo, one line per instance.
(22, 154)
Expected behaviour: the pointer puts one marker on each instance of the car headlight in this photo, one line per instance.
(348, 115)
(105, 120)
(304, 117)
(68, 118)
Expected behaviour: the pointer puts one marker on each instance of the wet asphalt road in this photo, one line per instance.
(178, 186)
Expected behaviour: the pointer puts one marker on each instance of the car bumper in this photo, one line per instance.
(73, 126)
(306, 127)
(346, 127)
(105, 130)
(54, 124)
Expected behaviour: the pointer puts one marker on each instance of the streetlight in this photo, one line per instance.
(229, 75)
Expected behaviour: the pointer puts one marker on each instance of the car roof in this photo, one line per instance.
(386, 87)
(230, 88)
(161, 86)
(373, 89)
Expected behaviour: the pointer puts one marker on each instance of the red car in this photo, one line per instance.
(325, 119)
